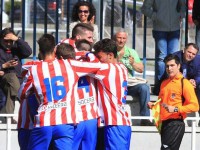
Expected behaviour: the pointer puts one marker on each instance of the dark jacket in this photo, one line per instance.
(20, 50)
(165, 14)
(193, 67)
(196, 11)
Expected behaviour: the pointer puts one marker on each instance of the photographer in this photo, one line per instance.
(12, 50)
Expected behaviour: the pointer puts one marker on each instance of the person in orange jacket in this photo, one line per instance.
(177, 99)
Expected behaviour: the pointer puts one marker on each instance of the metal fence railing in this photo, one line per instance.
(35, 17)
(9, 128)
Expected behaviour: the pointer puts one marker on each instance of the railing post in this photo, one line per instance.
(193, 138)
(8, 140)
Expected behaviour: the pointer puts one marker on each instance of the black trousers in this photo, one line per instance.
(172, 132)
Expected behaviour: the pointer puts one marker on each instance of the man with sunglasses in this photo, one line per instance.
(12, 50)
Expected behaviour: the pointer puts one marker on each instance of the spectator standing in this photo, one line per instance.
(85, 12)
(175, 103)
(12, 50)
(196, 20)
(129, 57)
(166, 16)
(112, 96)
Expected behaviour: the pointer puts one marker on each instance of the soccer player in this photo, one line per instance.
(112, 91)
(53, 81)
(65, 51)
(80, 31)
(83, 45)
(86, 130)
(24, 124)
(85, 134)
(26, 113)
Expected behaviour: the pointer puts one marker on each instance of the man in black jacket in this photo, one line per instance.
(12, 50)
(196, 19)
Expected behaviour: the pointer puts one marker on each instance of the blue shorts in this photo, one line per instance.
(59, 136)
(85, 135)
(117, 137)
(23, 138)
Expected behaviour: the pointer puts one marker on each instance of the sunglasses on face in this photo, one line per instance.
(83, 11)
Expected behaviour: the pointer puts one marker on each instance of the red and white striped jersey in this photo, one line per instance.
(87, 99)
(24, 118)
(87, 96)
(69, 41)
(112, 91)
(54, 84)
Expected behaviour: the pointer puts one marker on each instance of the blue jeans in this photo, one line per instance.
(141, 91)
(165, 43)
(197, 37)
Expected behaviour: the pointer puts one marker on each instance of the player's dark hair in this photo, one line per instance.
(172, 57)
(46, 44)
(107, 46)
(65, 51)
(80, 28)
